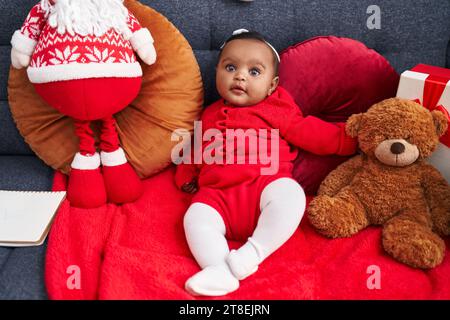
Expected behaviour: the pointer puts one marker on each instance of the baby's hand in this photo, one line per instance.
(190, 187)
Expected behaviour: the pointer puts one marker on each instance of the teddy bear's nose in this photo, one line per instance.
(397, 148)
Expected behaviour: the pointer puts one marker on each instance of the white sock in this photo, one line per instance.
(244, 261)
(282, 206)
(212, 281)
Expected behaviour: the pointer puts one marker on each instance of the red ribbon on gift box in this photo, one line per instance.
(434, 87)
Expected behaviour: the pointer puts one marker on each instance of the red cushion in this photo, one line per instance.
(332, 78)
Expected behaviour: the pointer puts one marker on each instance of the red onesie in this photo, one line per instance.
(234, 190)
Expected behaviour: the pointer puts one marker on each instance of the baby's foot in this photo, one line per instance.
(212, 281)
(244, 261)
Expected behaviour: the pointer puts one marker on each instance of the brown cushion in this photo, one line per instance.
(171, 97)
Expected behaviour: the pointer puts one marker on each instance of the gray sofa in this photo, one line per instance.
(411, 32)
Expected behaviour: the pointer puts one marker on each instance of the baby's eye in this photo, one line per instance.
(254, 72)
(230, 68)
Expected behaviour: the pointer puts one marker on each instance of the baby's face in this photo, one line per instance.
(246, 72)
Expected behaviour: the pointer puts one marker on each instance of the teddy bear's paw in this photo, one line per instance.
(441, 221)
(412, 243)
(335, 217)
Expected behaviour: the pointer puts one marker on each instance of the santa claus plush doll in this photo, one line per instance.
(81, 61)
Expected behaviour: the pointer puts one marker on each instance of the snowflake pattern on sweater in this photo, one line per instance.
(78, 56)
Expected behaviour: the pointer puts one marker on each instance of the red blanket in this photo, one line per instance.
(138, 251)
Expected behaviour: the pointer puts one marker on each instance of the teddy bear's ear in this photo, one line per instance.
(353, 124)
(440, 122)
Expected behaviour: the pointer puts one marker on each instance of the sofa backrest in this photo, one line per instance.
(410, 32)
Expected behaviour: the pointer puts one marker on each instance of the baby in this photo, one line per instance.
(235, 201)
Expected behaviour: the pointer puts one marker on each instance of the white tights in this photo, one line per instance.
(282, 206)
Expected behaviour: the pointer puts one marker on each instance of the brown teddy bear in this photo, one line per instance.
(390, 184)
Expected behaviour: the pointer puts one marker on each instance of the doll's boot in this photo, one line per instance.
(121, 181)
(86, 188)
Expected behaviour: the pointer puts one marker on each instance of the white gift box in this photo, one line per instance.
(430, 85)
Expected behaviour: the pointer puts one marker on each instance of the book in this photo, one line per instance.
(26, 216)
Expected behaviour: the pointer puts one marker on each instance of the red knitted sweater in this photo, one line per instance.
(278, 111)
(59, 57)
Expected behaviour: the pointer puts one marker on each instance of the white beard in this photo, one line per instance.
(87, 17)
